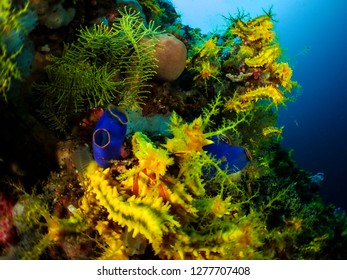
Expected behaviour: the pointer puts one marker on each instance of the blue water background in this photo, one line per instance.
(313, 35)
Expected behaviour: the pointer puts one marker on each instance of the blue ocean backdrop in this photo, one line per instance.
(313, 36)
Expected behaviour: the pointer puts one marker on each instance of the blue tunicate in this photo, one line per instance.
(233, 158)
(108, 136)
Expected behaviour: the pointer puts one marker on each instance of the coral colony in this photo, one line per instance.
(129, 135)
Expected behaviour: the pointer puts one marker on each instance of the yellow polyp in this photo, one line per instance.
(151, 158)
(267, 92)
(257, 30)
(181, 199)
(207, 70)
(271, 130)
(210, 48)
(294, 224)
(268, 55)
(235, 105)
(220, 207)
(263, 20)
(284, 74)
(96, 176)
(54, 229)
(243, 102)
(188, 138)
(152, 5)
(261, 33)
(106, 171)
(146, 215)
(115, 248)
(246, 51)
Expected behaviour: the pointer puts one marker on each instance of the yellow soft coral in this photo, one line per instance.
(243, 102)
(271, 130)
(284, 74)
(149, 217)
(188, 138)
(238, 240)
(245, 51)
(215, 207)
(210, 48)
(152, 5)
(255, 30)
(207, 70)
(268, 55)
(151, 158)
(261, 29)
(204, 61)
(146, 215)
(145, 177)
(115, 247)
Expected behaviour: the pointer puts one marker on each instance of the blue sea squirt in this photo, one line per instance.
(233, 158)
(108, 136)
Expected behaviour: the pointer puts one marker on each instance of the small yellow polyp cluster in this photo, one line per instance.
(204, 61)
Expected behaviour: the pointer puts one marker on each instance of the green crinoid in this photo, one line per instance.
(105, 65)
